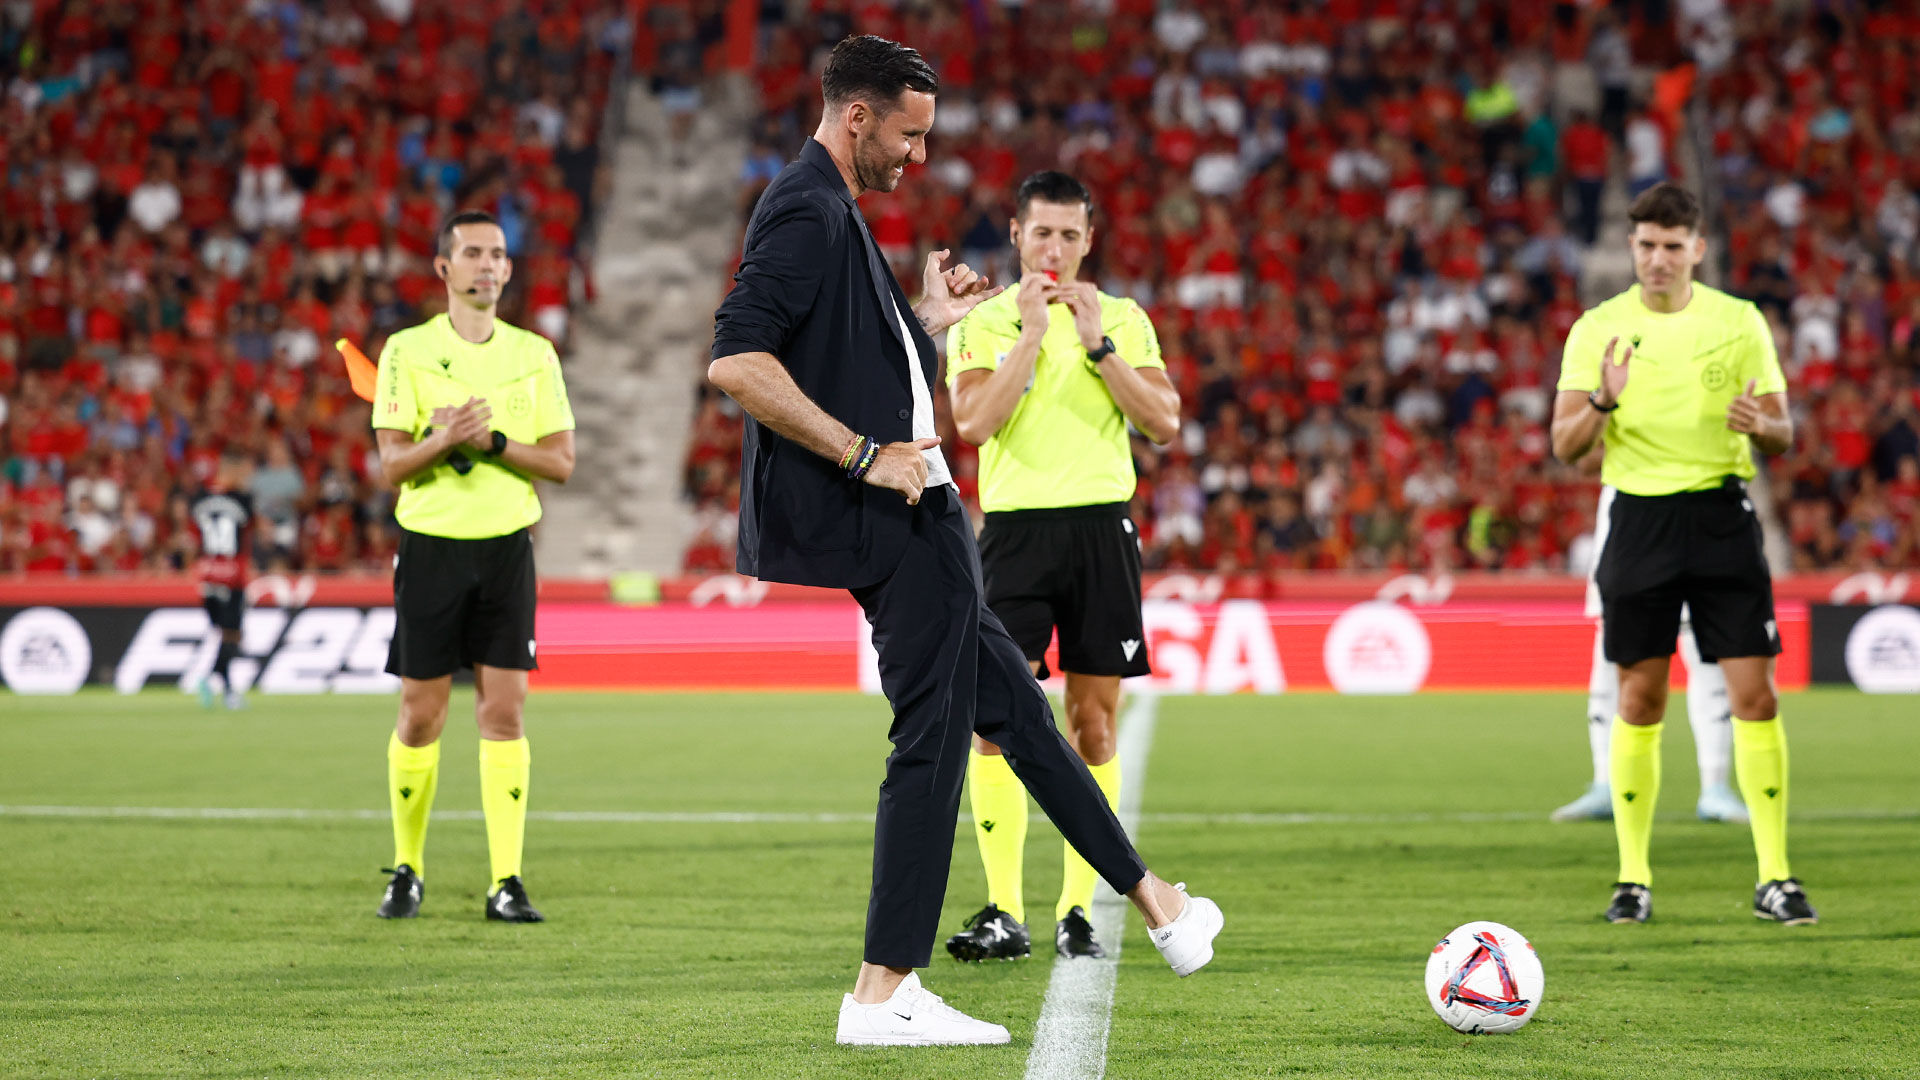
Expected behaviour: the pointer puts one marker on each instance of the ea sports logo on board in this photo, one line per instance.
(1377, 648)
(1883, 651)
(44, 650)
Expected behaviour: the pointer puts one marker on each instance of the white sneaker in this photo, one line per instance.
(1187, 941)
(913, 1016)
(1721, 803)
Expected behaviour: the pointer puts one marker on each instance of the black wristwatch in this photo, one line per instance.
(1094, 356)
(1593, 399)
(499, 444)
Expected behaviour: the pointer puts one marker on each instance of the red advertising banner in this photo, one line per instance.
(681, 647)
(1226, 647)
(1235, 646)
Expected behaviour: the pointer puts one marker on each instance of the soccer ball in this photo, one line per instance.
(1484, 979)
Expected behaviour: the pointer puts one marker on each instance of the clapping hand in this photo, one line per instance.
(1743, 412)
(1613, 374)
(469, 425)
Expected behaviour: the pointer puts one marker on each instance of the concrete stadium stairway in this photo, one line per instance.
(668, 231)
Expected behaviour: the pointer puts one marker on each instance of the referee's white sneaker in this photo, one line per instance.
(913, 1016)
(1187, 941)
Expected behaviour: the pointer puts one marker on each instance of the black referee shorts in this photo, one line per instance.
(462, 602)
(1076, 568)
(1698, 548)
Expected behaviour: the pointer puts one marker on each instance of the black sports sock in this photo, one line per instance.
(222, 658)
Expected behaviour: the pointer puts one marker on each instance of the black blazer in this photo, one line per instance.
(814, 290)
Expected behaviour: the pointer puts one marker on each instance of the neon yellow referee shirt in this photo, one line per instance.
(1066, 442)
(1670, 432)
(516, 371)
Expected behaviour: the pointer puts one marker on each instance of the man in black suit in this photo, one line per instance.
(843, 486)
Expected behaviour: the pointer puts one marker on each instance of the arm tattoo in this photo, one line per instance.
(926, 322)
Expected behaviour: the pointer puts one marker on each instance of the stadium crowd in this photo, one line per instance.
(1360, 228)
(1815, 140)
(200, 196)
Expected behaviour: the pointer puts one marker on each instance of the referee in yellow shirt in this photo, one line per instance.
(1045, 378)
(469, 412)
(1705, 391)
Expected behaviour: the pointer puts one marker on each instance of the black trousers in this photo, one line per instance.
(950, 669)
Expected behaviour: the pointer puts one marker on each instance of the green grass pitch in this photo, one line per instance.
(240, 947)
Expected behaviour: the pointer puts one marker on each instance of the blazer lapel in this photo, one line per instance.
(881, 276)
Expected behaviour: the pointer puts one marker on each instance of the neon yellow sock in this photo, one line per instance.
(1633, 768)
(413, 772)
(504, 768)
(1076, 881)
(1760, 757)
(999, 804)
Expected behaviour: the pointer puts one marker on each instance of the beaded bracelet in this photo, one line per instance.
(859, 470)
(852, 453)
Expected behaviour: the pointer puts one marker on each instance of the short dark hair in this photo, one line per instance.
(1669, 206)
(874, 70)
(465, 217)
(1052, 186)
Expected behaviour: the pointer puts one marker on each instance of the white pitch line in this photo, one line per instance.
(288, 813)
(748, 817)
(1070, 1040)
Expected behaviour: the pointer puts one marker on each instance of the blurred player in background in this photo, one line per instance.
(1707, 712)
(1681, 383)
(223, 516)
(1045, 378)
(468, 412)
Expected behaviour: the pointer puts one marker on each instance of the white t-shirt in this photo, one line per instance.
(922, 405)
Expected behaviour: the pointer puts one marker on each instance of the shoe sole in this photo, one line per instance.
(1630, 921)
(398, 915)
(882, 1040)
(1764, 917)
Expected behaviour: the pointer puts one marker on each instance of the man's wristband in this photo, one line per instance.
(1094, 356)
(1593, 399)
(499, 445)
(863, 459)
(852, 453)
